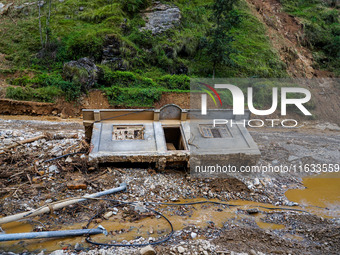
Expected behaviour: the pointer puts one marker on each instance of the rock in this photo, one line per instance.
(68, 160)
(78, 247)
(58, 252)
(275, 162)
(161, 17)
(108, 215)
(292, 158)
(83, 71)
(148, 250)
(256, 182)
(329, 126)
(252, 252)
(193, 235)
(290, 203)
(139, 207)
(252, 211)
(180, 249)
(53, 169)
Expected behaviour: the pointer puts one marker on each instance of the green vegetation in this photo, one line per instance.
(44, 94)
(148, 64)
(132, 97)
(43, 88)
(321, 20)
(219, 45)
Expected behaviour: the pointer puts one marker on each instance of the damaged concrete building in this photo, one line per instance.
(166, 136)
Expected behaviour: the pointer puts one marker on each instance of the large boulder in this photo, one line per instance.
(161, 17)
(83, 71)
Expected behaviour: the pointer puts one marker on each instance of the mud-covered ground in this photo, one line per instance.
(28, 182)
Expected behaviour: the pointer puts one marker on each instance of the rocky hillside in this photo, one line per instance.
(140, 48)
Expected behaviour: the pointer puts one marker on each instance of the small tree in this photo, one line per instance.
(47, 29)
(219, 40)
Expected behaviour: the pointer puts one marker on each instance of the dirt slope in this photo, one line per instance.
(286, 34)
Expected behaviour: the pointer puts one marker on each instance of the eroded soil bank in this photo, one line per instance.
(253, 218)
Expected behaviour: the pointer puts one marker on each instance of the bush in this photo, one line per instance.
(132, 97)
(124, 79)
(71, 90)
(181, 82)
(85, 43)
(43, 87)
(45, 94)
(20, 81)
(134, 6)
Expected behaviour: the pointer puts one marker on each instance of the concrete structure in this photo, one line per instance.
(165, 136)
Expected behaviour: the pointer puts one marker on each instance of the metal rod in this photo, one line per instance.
(51, 234)
(57, 206)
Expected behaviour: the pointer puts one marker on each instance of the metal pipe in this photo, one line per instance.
(51, 234)
(57, 206)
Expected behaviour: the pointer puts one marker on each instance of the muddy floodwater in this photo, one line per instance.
(321, 191)
(276, 214)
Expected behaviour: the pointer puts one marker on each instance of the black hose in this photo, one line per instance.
(120, 203)
(63, 156)
(228, 205)
(166, 238)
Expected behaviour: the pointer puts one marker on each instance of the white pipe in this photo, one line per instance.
(57, 206)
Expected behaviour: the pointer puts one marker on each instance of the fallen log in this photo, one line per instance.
(33, 139)
(55, 206)
(29, 140)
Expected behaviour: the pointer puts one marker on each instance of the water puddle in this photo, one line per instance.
(199, 215)
(265, 225)
(37, 244)
(321, 191)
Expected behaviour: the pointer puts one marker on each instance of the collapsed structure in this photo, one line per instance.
(166, 136)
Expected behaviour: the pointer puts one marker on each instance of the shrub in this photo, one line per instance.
(20, 81)
(134, 6)
(131, 97)
(45, 94)
(44, 87)
(181, 82)
(71, 90)
(124, 79)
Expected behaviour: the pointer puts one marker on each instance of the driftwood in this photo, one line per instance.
(30, 140)
(55, 206)
(33, 139)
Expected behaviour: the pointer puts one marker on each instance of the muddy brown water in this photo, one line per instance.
(321, 191)
(200, 215)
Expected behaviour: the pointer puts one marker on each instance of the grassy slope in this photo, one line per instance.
(321, 21)
(79, 34)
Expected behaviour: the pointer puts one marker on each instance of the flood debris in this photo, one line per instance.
(225, 231)
(55, 206)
